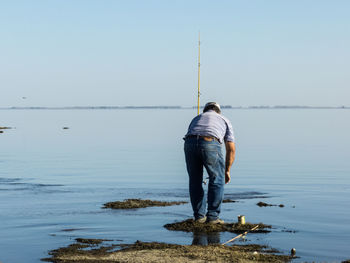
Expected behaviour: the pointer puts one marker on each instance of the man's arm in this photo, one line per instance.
(230, 157)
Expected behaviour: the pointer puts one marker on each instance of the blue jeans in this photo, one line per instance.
(200, 153)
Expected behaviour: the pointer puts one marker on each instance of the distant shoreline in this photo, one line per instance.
(170, 107)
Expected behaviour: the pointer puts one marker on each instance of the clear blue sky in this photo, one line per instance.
(110, 52)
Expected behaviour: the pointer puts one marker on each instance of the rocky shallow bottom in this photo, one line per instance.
(100, 250)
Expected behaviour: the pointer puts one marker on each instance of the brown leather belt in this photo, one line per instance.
(206, 138)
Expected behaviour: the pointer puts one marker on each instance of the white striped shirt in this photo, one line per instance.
(212, 124)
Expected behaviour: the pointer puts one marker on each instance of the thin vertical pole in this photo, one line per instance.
(199, 69)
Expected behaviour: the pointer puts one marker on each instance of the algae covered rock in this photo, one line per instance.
(190, 225)
(138, 203)
(148, 252)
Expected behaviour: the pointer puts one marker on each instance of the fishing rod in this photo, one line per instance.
(246, 232)
(199, 69)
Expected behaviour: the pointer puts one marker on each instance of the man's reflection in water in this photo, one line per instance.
(202, 238)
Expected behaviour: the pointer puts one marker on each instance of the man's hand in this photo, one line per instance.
(230, 157)
(227, 177)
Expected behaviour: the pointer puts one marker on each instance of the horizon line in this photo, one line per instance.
(171, 107)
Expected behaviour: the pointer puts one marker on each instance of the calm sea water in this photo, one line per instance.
(53, 182)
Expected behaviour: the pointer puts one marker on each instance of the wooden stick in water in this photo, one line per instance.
(254, 228)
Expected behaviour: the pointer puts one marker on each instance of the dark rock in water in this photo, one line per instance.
(65, 128)
(138, 203)
(262, 204)
(190, 225)
(4, 128)
(70, 229)
(228, 201)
